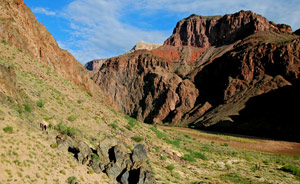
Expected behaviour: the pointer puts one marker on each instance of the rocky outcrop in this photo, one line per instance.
(142, 45)
(112, 158)
(9, 89)
(203, 31)
(94, 65)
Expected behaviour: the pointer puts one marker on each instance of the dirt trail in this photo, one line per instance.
(249, 143)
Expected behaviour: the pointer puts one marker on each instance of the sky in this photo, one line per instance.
(97, 29)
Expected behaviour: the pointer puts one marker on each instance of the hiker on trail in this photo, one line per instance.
(44, 125)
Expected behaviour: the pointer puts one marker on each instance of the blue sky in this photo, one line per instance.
(94, 29)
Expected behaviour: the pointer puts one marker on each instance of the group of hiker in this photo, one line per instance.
(44, 125)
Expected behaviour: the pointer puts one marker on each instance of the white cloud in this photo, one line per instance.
(99, 30)
(40, 10)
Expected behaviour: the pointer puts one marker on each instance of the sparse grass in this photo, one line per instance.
(72, 117)
(233, 177)
(137, 138)
(95, 156)
(188, 157)
(8, 129)
(161, 135)
(114, 126)
(131, 122)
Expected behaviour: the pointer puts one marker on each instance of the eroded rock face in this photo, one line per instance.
(206, 72)
(112, 157)
(201, 31)
(20, 28)
(94, 65)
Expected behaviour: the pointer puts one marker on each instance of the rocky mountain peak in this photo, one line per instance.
(206, 31)
(145, 45)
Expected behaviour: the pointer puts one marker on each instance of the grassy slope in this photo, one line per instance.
(26, 155)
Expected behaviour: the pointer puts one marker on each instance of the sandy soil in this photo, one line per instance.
(257, 144)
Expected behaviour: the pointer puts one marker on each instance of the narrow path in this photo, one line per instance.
(244, 142)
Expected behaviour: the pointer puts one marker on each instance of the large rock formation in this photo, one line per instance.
(112, 158)
(206, 72)
(203, 31)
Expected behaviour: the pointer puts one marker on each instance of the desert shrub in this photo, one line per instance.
(71, 180)
(8, 129)
(163, 158)
(187, 136)
(72, 118)
(291, 169)
(53, 145)
(225, 144)
(114, 126)
(40, 103)
(188, 157)
(137, 138)
(64, 129)
(27, 108)
(79, 101)
(170, 167)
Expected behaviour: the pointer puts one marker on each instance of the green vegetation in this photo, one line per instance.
(8, 129)
(188, 157)
(292, 169)
(53, 145)
(72, 117)
(187, 136)
(163, 158)
(71, 180)
(64, 129)
(137, 138)
(161, 135)
(170, 167)
(233, 177)
(27, 108)
(197, 154)
(40, 103)
(131, 123)
(114, 126)
(95, 156)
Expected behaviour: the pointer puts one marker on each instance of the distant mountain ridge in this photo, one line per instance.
(206, 72)
(96, 64)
